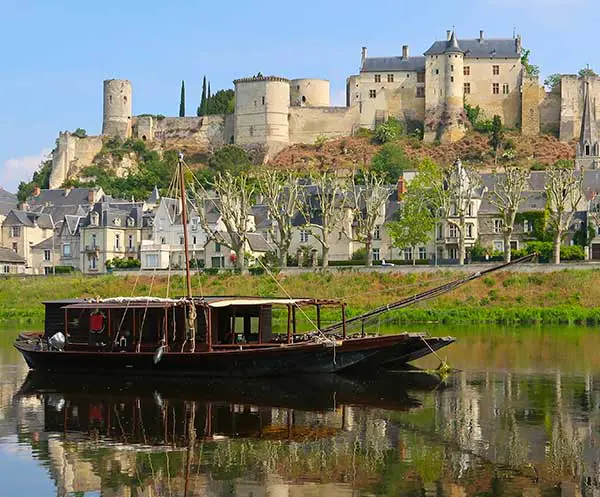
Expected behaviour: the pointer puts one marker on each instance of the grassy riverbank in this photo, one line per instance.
(568, 296)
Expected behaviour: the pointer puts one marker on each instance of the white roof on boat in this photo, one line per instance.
(257, 301)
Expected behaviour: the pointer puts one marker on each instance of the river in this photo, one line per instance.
(520, 417)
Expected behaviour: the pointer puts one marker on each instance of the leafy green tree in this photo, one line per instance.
(40, 178)
(552, 81)
(530, 69)
(221, 102)
(230, 158)
(80, 133)
(390, 162)
(414, 224)
(587, 72)
(182, 100)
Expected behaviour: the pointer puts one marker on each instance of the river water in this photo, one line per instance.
(521, 417)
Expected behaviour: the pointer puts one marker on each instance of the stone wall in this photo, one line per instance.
(482, 78)
(530, 107)
(206, 131)
(571, 105)
(308, 123)
(550, 113)
(71, 155)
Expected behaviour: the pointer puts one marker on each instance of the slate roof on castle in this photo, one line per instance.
(498, 48)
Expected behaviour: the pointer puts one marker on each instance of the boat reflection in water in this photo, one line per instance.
(140, 437)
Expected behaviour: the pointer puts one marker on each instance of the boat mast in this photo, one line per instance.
(188, 276)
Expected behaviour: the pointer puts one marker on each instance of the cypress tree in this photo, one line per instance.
(182, 100)
(209, 105)
(202, 108)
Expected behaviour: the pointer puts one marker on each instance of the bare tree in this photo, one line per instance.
(281, 195)
(506, 197)
(564, 192)
(234, 203)
(369, 200)
(462, 184)
(324, 206)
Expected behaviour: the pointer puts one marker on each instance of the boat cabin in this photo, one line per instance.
(180, 324)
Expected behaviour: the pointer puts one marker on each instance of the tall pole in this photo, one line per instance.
(188, 276)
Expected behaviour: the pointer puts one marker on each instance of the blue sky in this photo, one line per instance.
(55, 55)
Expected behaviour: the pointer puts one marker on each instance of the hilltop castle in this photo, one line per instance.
(428, 91)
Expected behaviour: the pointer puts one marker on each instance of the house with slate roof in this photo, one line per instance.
(11, 262)
(45, 256)
(111, 229)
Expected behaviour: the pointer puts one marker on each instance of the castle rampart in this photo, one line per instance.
(71, 155)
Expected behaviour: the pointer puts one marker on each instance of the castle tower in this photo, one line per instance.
(309, 92)
(588, 149)
(262, 105)
(116, 119)
(445, 118)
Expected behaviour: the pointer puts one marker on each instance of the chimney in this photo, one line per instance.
(36, 191)
(91, 195)
(405, 52)
(68, 190)
(364, 54)
(481, 36)
(401, 187)
(518, 45)
(448, 34)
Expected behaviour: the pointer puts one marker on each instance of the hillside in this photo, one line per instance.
(351, 152)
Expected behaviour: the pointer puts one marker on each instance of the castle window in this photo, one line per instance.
(420, 77)
(420, 92)
(251, 130)
(451, 68)
(467, 88)
(390, 78)
(437, 71)
(110, 99)
(496, 88)
(467, 70)
(451, 79)
(372, 93)
(263, 100)
(496, 70)
(587, 149)
(378, 78)
(505, 88)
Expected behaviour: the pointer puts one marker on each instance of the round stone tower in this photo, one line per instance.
(453, 119)
(116, 119)
(309, 92)
(262, 106)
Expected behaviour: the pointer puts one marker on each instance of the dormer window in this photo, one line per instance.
(117, 221)
(130, 222)
(587, 149)
(94, 219)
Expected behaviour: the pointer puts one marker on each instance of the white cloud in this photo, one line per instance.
(19, 169)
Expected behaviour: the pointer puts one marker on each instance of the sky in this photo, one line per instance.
(55, 54)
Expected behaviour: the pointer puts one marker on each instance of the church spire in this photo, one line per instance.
(589, 133)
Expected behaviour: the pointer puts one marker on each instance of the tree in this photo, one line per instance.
(208, 104)
(40, 178)
(281, 191)
(530, 69)
(497, 136)
(202, 109)
(389, 130)
(80, 133)
(390, 162)
(506, 197)
(564, 191)
(235, 200)
(413, 225)
(462, 185)
(587, 72)
(369, 199)
(323, 206)
(552, 81)
(230, 158)
(182, 100)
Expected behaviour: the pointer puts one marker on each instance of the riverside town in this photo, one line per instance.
(301, 258)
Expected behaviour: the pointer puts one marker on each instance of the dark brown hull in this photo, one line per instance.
(299, 358)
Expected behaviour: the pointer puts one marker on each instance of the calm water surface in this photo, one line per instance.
(522, 417)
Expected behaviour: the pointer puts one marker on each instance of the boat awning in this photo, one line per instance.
(123, 305)
(257, 301)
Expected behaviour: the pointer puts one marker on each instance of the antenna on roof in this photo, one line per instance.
(514, 32)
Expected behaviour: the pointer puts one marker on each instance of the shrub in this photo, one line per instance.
(360, 255)
(64, 269)
(389, 130)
